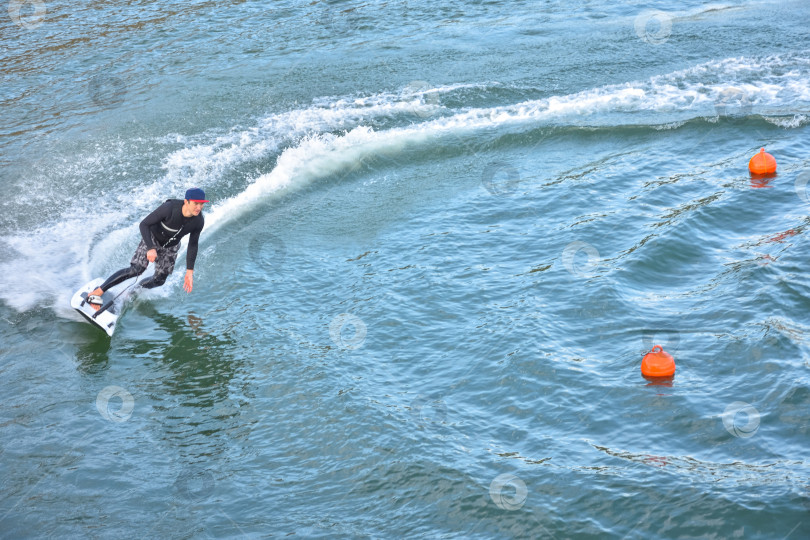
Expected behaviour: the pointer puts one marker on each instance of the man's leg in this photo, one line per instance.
(154, 281)
(136, 267)
(119, 277)
(164, 266)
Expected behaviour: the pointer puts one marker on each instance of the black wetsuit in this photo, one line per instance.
(161, 230)
(169, 225)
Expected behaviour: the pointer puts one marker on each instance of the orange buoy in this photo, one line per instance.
(762, 163)
(658, 363)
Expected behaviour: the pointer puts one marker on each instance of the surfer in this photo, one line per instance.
(161, 232)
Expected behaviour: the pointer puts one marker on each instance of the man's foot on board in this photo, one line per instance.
(94, 299)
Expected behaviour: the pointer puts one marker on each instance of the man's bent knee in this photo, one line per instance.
(154, 281)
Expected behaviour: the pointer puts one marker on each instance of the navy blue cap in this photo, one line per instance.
(195, 194)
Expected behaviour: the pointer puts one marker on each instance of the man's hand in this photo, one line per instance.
(151, 255)
(188, 283)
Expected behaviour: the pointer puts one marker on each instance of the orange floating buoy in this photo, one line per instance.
(762, 163)
(658, 363)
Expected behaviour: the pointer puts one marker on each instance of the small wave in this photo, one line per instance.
(712, 9)
(793, 122)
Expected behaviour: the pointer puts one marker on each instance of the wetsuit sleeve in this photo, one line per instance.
(193, 238)
(162, 213)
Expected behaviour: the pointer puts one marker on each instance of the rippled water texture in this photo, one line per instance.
(441, 239)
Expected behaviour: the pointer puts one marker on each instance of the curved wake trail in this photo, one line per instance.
(335, 135)
(760, 86)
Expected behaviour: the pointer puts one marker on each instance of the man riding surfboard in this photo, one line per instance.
(161, 232)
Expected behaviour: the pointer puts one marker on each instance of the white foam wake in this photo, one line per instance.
(333, 135)
(702, 91)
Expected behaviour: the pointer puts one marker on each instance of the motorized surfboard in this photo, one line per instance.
(105, 319)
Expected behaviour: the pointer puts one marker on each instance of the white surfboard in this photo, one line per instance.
(107, 319)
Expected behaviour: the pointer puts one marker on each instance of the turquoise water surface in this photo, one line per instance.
(441, 239)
